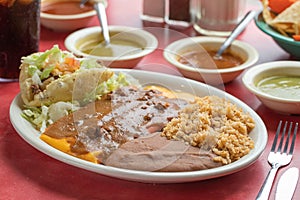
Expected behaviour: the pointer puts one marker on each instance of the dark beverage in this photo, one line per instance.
(19, 34)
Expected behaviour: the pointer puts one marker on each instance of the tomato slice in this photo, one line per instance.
(279, 5)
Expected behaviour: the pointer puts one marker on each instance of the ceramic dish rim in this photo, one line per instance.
(68, 17)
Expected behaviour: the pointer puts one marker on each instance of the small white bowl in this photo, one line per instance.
(215, 76)
(75, 41)
(64, 23)
(277, 68)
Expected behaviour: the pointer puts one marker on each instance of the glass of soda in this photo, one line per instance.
(19, 35)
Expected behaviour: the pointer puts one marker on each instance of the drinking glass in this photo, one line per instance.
(218, 17)
(19, 35)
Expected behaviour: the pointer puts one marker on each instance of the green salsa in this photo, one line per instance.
(119, 46)
(281, 86)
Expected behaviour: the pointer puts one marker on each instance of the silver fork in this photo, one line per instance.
(278, 158)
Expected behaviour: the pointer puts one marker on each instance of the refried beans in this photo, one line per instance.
(157, 153)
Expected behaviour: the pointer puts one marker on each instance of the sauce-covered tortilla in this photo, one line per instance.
(124, 115)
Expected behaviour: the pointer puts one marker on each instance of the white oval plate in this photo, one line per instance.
(258, 134)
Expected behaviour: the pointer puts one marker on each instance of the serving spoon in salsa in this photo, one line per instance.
(99, 6)
(236, 32)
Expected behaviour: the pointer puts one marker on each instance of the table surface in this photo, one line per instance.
(26, 173)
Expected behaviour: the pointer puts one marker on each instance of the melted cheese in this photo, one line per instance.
(64, 146)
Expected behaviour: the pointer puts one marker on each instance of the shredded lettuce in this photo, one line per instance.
(43, 63)
(43, 116)
(32, 69)
(112, 84)
(89, 63)
(38, 59)
(37, 116)
(46, 72)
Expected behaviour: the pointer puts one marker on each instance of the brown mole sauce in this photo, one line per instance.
(205, 60)
(123, 115)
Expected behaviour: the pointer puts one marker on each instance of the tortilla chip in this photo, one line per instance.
(267, 15)
(287, 22)
(289, 15)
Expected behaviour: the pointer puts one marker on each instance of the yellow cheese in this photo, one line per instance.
(64, 146)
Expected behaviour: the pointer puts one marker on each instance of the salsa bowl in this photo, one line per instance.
(127, 48)
(276, 85)
(65, 15)
(209, 71)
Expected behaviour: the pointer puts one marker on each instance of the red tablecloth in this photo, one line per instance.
(26, 173)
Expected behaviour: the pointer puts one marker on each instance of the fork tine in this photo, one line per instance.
(282, 137)
(288, 138)
(294, 138)
(276, 136)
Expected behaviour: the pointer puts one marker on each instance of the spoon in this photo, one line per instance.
(236, 31)
(101, 14)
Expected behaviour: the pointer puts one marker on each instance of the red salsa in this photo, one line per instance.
(66, 8)
(204, 59)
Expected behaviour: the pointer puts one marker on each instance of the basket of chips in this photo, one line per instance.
(280, 19)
